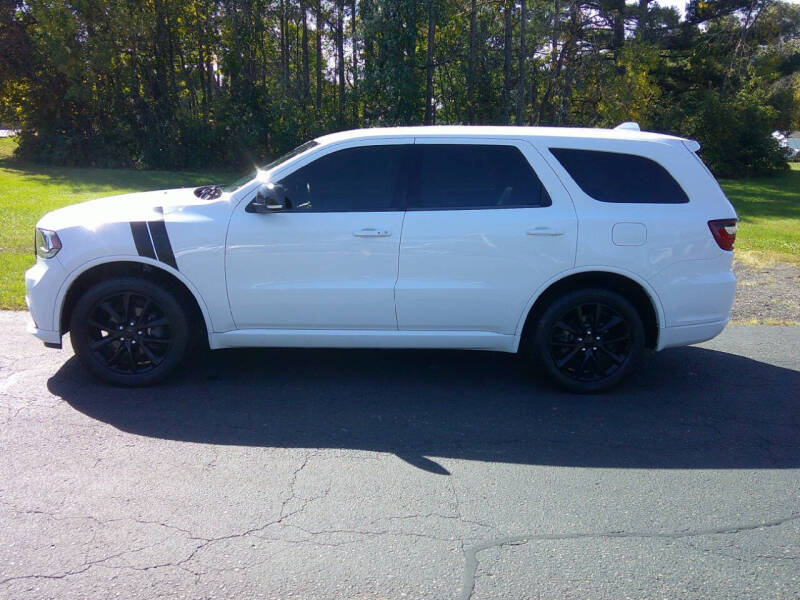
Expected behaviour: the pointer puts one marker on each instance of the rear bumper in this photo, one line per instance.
(696, 292)
(670, 337)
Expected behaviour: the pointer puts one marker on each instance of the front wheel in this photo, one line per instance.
(129, 331)
(589, 340)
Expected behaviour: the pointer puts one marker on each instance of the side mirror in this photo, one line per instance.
(266, 201)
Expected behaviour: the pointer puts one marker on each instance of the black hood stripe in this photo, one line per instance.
(141, 237)
(152, 241)
(158, 231)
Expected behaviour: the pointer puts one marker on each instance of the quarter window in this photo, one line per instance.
(616, 177)
(465, 176)
(365, 178)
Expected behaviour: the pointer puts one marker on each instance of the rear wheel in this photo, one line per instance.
(589, 340)
(129, 331)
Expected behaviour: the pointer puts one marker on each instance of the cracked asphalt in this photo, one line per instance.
(398, 474)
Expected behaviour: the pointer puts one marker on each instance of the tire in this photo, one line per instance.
(129, 331)
(568, 346)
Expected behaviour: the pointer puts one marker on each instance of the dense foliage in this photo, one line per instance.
(193, 83)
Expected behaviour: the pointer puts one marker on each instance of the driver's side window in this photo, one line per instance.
(365, 178)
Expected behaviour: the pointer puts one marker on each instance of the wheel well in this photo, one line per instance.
(135, 269)
(624, 286)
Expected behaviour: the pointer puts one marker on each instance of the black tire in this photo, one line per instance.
(129, 331)
(569, 346)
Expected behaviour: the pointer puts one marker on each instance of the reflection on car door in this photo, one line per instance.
(329, 260)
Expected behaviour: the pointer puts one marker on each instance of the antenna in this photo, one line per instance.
(629, 126)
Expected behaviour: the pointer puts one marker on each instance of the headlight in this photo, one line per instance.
(47, 243)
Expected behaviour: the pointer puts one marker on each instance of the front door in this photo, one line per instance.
(329, 259)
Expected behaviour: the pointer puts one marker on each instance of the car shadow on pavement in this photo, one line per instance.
(686, 408)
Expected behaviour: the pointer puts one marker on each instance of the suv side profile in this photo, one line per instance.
(577, 247)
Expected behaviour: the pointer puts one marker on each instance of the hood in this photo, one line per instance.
(141, 206)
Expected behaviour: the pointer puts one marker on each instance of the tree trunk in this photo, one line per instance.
(471, 63)
(340, 58)
(555, 60)
(284, 46)
(521, 64)
(507, 63)
(554, 38)
(318, 23)
(533, 116)
(306, 78)
(570, 46)
(367, 14)
(430, 115)
(354, 41)
(641, 29)
(619, 24)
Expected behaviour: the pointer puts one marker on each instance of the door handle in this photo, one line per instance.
(370, 232)
(546, 231)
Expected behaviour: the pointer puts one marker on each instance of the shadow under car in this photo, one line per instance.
(686, 408)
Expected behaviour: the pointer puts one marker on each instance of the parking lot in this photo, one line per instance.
(392, 474)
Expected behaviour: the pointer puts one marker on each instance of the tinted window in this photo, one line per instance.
(614, 177)
(475, 176)
(355, 179)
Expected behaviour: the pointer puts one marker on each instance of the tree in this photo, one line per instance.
(189, 83)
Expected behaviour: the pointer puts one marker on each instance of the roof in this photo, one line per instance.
(498, 131)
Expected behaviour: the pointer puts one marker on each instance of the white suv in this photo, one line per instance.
(582, 247)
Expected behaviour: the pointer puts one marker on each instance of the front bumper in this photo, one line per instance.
(43, 282)
(50, 338)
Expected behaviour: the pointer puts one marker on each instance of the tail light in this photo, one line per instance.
(724, 231)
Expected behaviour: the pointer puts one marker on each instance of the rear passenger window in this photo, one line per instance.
(463, 176)
(615, 177)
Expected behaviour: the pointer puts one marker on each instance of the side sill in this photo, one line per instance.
(334, 338)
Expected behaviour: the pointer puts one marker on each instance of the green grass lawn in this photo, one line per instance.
(769, 209)
(769, 216)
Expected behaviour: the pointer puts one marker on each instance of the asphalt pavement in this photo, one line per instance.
(401, 474)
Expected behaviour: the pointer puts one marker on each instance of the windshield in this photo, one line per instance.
(250, 175)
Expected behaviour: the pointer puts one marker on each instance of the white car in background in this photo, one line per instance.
(581, 247)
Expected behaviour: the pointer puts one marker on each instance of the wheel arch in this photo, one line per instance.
(631, 287)
(82, 278)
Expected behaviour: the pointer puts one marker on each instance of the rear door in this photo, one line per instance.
(487, 224)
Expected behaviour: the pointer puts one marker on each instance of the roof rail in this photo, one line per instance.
(629, 126)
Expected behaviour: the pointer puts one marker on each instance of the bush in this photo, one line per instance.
(735, 134)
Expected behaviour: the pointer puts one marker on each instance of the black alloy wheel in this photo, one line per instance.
(129, 331)
(589, 340)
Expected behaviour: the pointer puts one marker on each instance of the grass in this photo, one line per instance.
(769, 217)
(28, 191)
(768, 208)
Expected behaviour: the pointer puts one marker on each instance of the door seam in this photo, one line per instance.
(397, 274)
